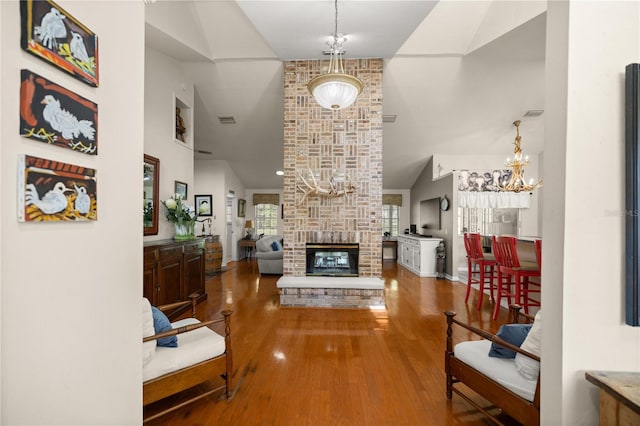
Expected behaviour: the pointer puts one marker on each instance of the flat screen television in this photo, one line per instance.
(430, 215)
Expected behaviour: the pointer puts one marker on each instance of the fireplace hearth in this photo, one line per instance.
(332, 259)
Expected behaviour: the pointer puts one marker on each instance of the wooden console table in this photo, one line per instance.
(619, 396)
(248, 246)
(393, 244)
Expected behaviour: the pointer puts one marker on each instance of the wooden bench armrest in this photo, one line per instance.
(186, 328)
(173, 306)
(486, 335)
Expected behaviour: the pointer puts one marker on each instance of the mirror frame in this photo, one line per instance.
(153, 229)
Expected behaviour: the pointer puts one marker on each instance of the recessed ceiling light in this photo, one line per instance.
(390, 118)
(279, 172)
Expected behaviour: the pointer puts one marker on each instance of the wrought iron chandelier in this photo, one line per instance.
(336, 89)
(517, 182)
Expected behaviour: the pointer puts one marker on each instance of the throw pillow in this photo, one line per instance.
(148, 348)
(528, 368)
(161, 323)
(275, 246)
(511, 333)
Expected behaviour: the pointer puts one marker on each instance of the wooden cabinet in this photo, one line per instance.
(418, 254)
(173, 270)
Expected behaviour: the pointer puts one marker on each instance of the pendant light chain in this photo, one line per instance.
(335, 30)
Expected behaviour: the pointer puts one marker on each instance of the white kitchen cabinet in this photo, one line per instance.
(418, 254)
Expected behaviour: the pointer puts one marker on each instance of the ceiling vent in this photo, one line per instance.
(227, 120)
(534, 113)
(390, 118)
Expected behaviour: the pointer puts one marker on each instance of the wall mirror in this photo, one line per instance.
(150, 181)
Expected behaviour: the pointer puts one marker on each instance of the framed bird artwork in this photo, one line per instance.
(52, 34)
(51, 114)
(53, 191)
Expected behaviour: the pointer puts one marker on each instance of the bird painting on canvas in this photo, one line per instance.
(54, 201)
(53, 191)
(51, 28)
(83, 201)
(78, 49)
(65, 122)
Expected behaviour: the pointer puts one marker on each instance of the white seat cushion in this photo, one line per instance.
(502, 370)
(148, 348)
(193, 347)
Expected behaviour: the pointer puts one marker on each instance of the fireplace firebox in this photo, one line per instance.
(332, 259)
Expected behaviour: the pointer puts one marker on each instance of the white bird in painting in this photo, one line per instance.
(83, 202)
(53, 201)
(64, 122)
(51, 27)
(78, 49)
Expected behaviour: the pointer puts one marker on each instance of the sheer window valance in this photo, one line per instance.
(393, 199)
(494, 200)
(266, 199)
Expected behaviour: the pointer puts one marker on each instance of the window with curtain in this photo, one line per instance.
(390, 213)
(266, 210)
(266, 219)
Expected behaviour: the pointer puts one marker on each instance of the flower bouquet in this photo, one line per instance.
(183, 217)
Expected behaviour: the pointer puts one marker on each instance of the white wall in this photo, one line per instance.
(426, 188)
(176, 19)
(504, 16)
(70, 327)
(217, 178)
(164, 80)
(588, 46)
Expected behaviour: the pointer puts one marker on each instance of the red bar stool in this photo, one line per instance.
(509, 266)
(485, 272)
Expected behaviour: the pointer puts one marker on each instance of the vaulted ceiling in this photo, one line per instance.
(456, 76)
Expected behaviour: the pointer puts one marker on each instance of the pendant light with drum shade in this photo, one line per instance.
(336, 89)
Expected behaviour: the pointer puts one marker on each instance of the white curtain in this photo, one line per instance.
(494, 200)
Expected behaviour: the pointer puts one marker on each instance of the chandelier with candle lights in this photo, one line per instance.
(516, 182)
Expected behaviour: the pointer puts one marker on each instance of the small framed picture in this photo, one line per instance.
(181, 188)
(242, 205)
(203, 204)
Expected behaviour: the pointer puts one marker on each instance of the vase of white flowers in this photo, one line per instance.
(183, 217)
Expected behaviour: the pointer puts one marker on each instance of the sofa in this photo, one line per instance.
(269, 254)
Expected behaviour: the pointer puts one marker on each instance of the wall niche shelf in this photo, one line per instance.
(182, 123)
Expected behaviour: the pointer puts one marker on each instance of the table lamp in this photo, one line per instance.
(248, 225)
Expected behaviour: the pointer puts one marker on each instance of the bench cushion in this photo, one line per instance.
(501, 370)
(148, 348)
(193, 347)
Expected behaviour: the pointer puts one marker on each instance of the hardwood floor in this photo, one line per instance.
(335, 366)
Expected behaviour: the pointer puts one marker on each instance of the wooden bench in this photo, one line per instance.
(525, 411)
(211, 363)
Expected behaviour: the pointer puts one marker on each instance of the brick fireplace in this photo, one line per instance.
(334, 148)
(329, 144)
